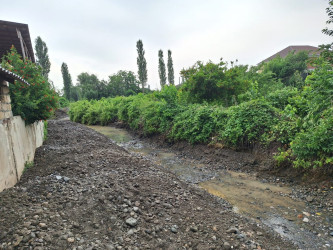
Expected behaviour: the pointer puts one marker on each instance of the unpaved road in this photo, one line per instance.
(85, 192)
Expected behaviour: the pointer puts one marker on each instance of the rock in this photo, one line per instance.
(58, 177)
(232, 230)
(309, 198)
(306, 214)
(167, 205)
(174, 229)
(331, 233)
(305, 220)
(226, 245)
(130, 232)
(66, 179)
(70, 239)
(76, 225)
(42, 225)
(18, 240)
(194, 229)
(109, 247)
(136, 209)
(259, 233)
(131, 222)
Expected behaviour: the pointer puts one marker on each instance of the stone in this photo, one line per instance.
(194, 229)
(306, 214)
(226, 245)
(42, 225)
(136, 209)
(130, 232)
(66, 179)
(58, 177)
(70, 240)
(174, 229)
(131, 222)
(305, 220)
(309, 198)
(232, 230)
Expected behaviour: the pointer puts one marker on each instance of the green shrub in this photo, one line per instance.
(282, 97)
(78, 109)
(314, 146)
(63, 102)
(33, 102)
(248, 123)
(195, 123)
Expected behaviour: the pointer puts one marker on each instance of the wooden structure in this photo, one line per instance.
(16, 34)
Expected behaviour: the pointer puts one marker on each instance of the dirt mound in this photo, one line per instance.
(85, 192)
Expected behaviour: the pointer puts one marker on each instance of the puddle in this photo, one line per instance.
(252, 197)
(116, 134)
(260, 201)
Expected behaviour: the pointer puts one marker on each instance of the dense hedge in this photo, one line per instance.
(299, 119)
(155, 113)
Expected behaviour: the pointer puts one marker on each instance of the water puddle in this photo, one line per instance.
(268, 203)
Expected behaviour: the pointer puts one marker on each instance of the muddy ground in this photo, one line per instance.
(85, 192)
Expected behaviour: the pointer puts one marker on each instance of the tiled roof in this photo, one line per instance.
(296, 48)
(10, 76)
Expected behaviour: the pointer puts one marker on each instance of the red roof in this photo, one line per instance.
(294, 48)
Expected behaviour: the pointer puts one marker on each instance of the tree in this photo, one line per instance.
(161, 68)
(42, 56)
(212, 82)
(67, 81)
(329, 11)
(171, 75)
(123, 83)
(327, 49)
(289, 68)
(90, 87)
(142, 64)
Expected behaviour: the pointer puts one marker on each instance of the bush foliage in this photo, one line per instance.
(236, 107)
(33, 102)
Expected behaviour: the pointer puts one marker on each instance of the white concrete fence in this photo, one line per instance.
(18, 142)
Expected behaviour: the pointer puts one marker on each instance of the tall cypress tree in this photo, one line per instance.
(67, 80)
(142, 64)
(171, 75)
(161, 68)
(42, 56)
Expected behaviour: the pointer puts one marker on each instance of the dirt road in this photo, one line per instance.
(85, 192)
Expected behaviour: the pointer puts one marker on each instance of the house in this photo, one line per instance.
(16, 34)
(313, 52)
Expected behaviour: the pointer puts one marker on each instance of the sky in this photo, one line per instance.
(99, 37)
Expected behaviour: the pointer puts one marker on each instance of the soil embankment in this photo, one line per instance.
(85, 192)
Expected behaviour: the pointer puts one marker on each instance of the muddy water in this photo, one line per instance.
(268, 203)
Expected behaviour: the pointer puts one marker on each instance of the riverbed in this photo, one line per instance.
(269, 203)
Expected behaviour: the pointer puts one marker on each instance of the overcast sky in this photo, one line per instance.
(99, 37)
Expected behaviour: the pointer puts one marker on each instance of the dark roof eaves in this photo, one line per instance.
(10, 76)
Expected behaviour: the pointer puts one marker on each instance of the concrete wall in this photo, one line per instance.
(18, 142)
(17, 146)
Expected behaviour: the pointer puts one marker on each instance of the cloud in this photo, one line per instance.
(100, 36)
